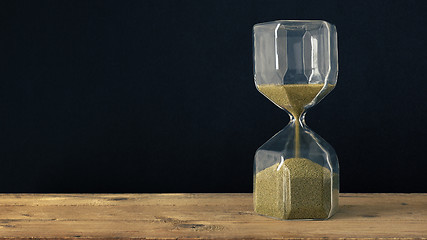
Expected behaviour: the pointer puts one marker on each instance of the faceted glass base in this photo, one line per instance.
(296, 185)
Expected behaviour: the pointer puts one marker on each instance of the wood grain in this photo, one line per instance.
(201, 216)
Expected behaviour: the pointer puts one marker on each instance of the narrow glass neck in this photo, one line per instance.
(298, 119)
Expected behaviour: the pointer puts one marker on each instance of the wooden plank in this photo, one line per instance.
(201, 216)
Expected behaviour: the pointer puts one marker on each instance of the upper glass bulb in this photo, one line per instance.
(304, 52)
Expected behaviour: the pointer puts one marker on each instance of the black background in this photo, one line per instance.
(158, 96)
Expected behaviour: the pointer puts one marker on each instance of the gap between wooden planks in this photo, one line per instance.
(201, 216)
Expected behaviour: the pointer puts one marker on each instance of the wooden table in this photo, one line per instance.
(201, 216)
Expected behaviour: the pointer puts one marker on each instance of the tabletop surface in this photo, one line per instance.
(202, 216)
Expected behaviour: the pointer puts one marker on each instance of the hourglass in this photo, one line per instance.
(296, 173)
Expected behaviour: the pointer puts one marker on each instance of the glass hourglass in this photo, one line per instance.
(296, 173)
